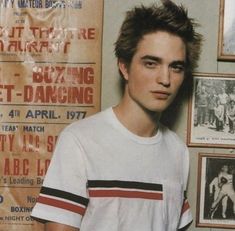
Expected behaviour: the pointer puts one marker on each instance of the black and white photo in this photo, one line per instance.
(212, 111)
(216, 193)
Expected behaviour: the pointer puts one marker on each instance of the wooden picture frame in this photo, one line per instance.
(213, 94)
(215, 190)
(226, 40)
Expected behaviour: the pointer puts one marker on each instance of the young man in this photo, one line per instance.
(121, 170)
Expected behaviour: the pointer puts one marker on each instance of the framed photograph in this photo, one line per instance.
(216, 194)
(211, 120)
(226, 41)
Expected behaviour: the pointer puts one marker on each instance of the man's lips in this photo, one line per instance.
(160, 94)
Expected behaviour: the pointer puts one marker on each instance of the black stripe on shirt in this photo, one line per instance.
(124, 184)
(64, 195)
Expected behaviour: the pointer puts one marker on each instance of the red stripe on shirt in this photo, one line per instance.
(62, 205)
(185, 206)
(126, 194)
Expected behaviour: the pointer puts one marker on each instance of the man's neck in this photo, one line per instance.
(137, 120)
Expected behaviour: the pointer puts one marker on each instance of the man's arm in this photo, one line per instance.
(52, 226)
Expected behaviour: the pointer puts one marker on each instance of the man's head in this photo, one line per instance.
(203, 89)
(224, 168)
(141, 27)
(145, 20)
(156, 43)
(233, 89)
(232, 102)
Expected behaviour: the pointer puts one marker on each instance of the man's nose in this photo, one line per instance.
(163, 76)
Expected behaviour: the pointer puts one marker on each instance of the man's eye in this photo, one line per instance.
(177, 68)
(150, 64)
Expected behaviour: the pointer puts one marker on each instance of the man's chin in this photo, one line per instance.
(155, 111)
(158, 108)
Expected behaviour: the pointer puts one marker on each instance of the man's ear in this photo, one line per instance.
(123, 69)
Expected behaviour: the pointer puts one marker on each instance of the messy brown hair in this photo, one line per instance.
(167, 17)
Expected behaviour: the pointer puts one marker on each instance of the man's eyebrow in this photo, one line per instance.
(158, 59)
(178, 62)
(151, 57)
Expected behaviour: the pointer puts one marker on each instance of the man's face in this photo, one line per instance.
(225, 168)
(156, 71)
(203, 89)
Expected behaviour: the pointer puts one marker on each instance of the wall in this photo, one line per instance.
(206, 13)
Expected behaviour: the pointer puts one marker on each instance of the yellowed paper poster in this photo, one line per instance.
(50, 76)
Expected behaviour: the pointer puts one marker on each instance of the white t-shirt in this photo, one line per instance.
(102, 177)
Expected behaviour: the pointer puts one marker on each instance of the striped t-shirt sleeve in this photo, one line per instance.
(63, 197)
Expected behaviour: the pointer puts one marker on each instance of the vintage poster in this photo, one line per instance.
(50, 76)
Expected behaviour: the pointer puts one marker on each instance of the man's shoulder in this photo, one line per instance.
(171, 137)
(90, 123)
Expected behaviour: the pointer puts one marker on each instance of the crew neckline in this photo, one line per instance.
(139, 139)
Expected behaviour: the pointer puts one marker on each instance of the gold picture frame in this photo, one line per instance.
(226, 40)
